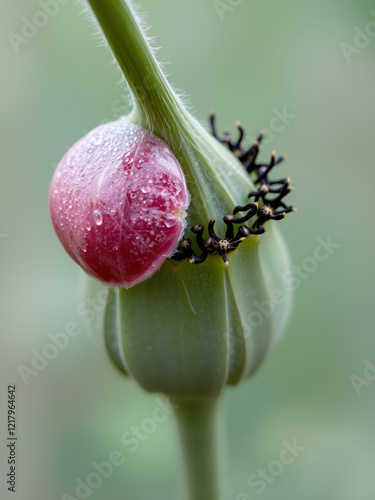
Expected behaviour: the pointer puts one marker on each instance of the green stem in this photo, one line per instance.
(197, 427)
(155, 102)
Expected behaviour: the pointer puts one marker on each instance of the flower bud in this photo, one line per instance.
(118, 201)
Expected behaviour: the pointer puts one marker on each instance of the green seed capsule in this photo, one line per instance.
(191, 329)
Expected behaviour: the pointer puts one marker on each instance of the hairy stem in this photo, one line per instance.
(155, 102)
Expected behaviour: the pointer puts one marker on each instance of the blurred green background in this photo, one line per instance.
(244, 61)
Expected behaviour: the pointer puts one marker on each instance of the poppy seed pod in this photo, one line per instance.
(211, 314)
(215, 307)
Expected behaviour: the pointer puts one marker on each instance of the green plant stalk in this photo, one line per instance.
(197, 428)
(157, 108)
(154, 100)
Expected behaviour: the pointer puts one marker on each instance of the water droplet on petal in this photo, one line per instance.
(98, 218)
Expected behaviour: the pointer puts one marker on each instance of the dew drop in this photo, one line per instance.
(146, 189)
(98, 218)
(169, 223)
(88, 227)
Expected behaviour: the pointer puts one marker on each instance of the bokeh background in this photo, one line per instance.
(245, 60)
